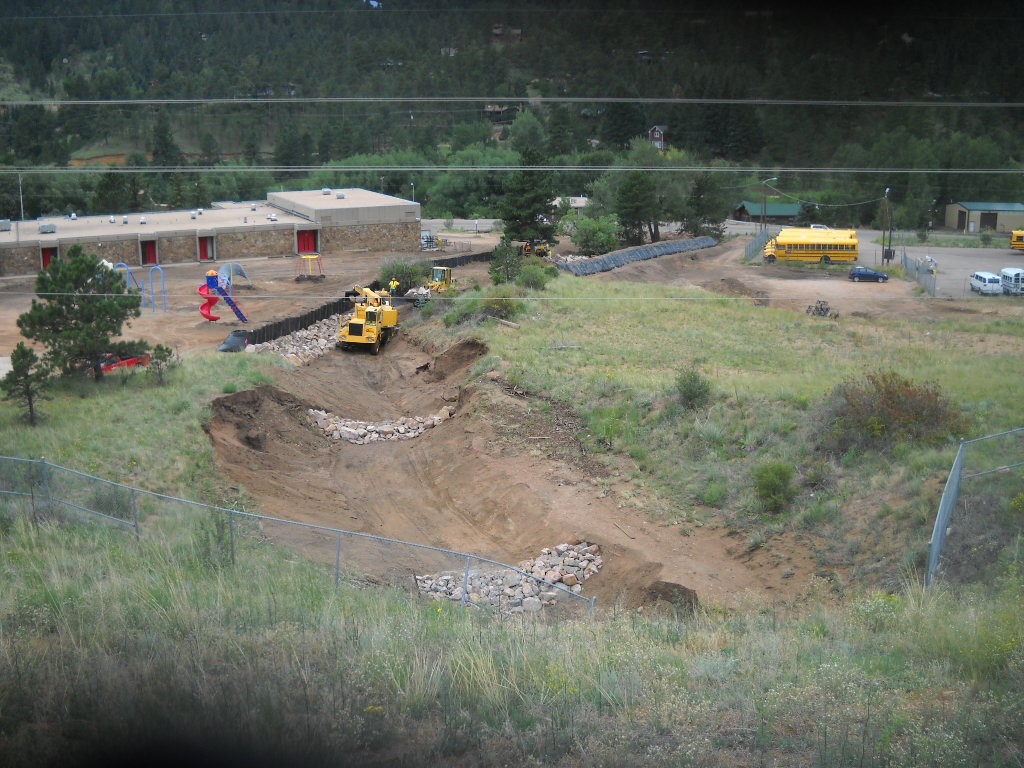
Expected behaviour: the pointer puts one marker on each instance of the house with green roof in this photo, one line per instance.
(980, 217)
(774, 213)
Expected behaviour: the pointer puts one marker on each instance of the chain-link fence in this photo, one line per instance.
(45, 491)
(979, 521)
(754, 250)
(921, 269)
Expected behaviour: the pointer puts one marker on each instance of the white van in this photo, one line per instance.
(986, 283)
(1013, 280)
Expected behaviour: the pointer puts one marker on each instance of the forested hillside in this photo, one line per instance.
(412, 84)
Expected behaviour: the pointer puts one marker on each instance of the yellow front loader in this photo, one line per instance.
(373, 322)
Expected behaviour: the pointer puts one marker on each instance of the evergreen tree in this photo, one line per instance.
(26, 382)
(113, 193)
(637, 206)
(209, 149)
(705, 207)
(507, 262)
(526, 208)
(163, 147)
(81, 306)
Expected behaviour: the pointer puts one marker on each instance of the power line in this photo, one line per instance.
(529, 100)
(124, 169)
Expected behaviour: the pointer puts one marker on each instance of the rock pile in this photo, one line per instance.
(539, 582)
(304, 345)
(362, 432)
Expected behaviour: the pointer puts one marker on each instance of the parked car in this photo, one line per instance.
(862, 274)
(111, 362)
(986, 282)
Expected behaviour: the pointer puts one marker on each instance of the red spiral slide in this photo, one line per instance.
(206, 310)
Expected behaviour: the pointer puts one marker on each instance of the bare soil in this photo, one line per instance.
(498, 479)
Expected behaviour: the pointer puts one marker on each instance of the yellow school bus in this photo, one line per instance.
(1017, 239)
(814, 245)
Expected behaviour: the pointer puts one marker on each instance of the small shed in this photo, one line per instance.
(972, 216)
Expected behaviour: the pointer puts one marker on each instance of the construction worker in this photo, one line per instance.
(393, 286)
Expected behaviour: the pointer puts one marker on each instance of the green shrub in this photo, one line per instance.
(500, 303)
(533, 276)
(409, 275)
(986, 239)
(694, 388)
(883, 409)
(773, 484)
(715, 493)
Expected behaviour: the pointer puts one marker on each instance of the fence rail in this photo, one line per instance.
(979, 493)
(42, 490)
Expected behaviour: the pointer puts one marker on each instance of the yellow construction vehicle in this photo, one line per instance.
(441, 280)
(374, 320)
(538, 247)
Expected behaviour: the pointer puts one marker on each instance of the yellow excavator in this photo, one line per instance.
(373, 322)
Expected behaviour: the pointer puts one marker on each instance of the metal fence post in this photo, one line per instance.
(231, 533)
(337, 562)
(44, 482)
(465, 583)
(135, 513)
(947, 503)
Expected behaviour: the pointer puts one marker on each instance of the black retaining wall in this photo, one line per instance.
(640, 253)
(283, 327)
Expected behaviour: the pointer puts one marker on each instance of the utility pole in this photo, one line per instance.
(764, 199)
(887, 252)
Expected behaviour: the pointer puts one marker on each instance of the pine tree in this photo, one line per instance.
(526, 208)
(26, 381)
(81, 306)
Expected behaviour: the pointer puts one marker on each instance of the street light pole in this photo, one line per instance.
(413, 185)
(764, 199)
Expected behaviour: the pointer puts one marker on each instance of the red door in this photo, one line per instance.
(148, 251)
(49, 254)
(306, 240)
(205, 249)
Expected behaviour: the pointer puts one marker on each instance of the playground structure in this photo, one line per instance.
(148, 296)
(304, 269)
(216, 287)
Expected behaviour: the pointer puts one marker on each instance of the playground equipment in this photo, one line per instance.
(227, 274)
(148, 296)
(309, 260)
(212, 291)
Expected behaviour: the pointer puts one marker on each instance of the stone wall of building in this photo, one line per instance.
(20, 260)
(372, 237)
(249, 243)
(114, 251)
(177, 249)
(24, 259)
